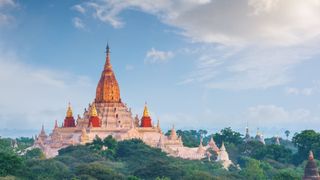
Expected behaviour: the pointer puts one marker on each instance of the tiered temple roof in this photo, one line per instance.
(146, 119)
(69, 120)
(108, 89)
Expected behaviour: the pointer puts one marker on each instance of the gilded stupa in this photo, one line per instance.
(108, 115)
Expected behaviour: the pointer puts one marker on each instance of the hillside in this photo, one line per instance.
(132, 159)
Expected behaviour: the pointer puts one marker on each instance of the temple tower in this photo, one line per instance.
(108, 89)
(146, 120)
(69, 120)
(94, 120)
(311, 170)
(111, 111)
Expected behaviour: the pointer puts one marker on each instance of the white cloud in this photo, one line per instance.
(79, 9)
(157, 56)
(297, 91)
(7, 3)
(227, 22)
(31, 96)
(307, 91)
(276, 116)
(78, 23)
(260, 42)
(5, 7)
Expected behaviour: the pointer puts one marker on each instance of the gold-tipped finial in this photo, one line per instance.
(145, 111)
(108, 63)
(93, 110)
(69, 110)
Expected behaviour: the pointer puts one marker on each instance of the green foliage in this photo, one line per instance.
(253, 170)
(5, 144)
(227, 135)
(306, 141)
(24, 142)
(46, 169)
(190, 138)
(10, 163)
(133, 160)
(98, 171)
(287, 133)
(287, 174)
(34, 154)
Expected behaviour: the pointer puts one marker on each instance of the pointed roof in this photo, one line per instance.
(222, 148)
(247, 135)
(108, 90)
(277, 140)
(173, 133)
(158, 123)
(146, 111)
(211, 142)
(311, 170)
(108, 63)
(42, 130)
(42, 133)
(69, 111)
(201, 141)
(93, 111)
(132, 124)
(55, 124)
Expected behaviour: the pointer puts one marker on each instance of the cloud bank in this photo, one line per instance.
(253, 43)
(31, 96)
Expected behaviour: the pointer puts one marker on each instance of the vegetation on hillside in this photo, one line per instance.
(133, 160)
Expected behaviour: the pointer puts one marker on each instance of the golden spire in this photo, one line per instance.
(108, 89)
(69, 111)
(145, 111)
(93, 110)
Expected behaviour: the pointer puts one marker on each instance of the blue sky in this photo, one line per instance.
(198, 63)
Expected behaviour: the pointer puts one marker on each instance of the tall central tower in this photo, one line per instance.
(111, 111)
(108, 90)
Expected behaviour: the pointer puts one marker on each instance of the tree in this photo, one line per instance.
(287, 174)
(305, 141)
(190, 138)
(34, 154)
(253, 170)
(287, 133)
(10, 163)
(229, 136)
(98, 171)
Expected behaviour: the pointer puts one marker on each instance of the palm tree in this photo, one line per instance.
(287, 132)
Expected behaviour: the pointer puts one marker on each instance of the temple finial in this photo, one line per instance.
(107, 48)
(108, 63)
(146, 111)
(311, 155)
(69, 110)
(93, 112)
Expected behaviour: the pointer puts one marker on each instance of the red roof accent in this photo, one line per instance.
(69, 122)
(95, 121)
(146, 121)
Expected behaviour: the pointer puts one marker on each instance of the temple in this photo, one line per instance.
(311, 170)
(108, 115)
